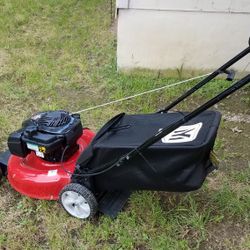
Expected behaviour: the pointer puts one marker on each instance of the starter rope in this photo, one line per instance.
(140, 94)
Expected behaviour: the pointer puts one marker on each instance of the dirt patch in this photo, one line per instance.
(214, 180)
(234, 134)
(226, 236)
(238, 103)
(237, 118)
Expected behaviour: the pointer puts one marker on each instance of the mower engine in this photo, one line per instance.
(47, 134)
(44, 152)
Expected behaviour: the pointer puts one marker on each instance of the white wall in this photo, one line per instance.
(191, 5)
(198, 34)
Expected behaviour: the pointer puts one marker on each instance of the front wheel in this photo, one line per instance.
(78, 201)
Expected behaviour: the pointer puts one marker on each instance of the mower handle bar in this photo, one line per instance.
(222, 69)
(139, 150)
(186, 118)
(108, 166)
(205, 106)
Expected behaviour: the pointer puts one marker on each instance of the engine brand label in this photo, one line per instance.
(32, 146)
(183, 134)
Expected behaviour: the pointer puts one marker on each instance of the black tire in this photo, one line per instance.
(78, 201)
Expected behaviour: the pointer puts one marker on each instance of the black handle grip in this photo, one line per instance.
(230, 75)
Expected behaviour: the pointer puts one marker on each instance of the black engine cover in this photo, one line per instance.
(47, 134)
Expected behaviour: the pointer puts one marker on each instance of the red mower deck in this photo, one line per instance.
(36, 178)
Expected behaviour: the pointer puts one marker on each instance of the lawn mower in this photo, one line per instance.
(53, 157)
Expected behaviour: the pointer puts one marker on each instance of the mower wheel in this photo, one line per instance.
(78, 201)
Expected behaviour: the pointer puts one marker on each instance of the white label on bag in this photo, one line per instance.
(183, 134)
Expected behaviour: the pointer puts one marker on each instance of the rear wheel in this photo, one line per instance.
(78, 201)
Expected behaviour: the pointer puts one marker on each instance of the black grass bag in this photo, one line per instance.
(178, 162)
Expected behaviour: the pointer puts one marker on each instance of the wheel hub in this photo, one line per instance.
(75, 204)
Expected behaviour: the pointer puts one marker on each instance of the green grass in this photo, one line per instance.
(62, 55)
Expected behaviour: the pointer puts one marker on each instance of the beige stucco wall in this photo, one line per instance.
(164, 35)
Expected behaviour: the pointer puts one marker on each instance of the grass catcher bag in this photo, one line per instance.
(178, 162)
